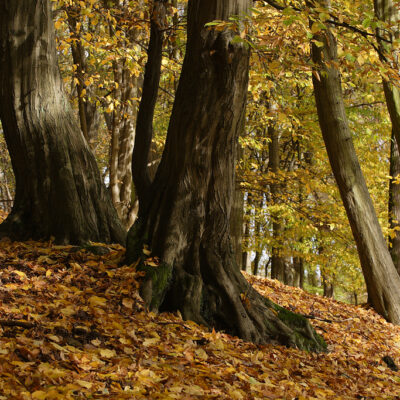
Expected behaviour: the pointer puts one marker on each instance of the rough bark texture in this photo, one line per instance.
(382, 280)
(185, 221)
(144, 124)
(386, 11)
(121, 126)
(394, 204)
(58, 187)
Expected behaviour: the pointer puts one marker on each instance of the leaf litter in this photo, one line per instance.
(73, 326)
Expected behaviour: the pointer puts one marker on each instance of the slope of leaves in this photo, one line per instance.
(73, 326)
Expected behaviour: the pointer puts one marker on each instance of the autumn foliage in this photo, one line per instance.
(73, 326)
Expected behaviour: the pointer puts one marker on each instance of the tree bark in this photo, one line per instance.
(382, 280)
(298, 265)
(59, 191)
(185, 221)
(144, 124)
(121, 126)
(386, 11)
(394, 204)
(236, 224)
(328, 287)
(277, 260)
(246, 233)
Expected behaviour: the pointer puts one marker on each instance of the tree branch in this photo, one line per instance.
(334, 20)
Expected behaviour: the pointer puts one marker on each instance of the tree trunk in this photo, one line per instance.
(256, 263)
(185, 220)
(382, 280)
(121, 126)
(298, 265)
(58, 186)
(288, 276)
(257, 232)
(386, 11)
(328, 288)
(277, 260)
(246, 233)
(236, 224)
(144, 123)
(394, 204)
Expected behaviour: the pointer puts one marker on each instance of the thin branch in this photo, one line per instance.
(365, 104)
(335, 21)
(21, 324)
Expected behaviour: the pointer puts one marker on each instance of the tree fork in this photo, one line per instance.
(185, 220)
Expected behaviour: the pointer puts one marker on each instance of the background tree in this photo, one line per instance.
(381, 278)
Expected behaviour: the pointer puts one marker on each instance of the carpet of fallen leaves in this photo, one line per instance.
(74, 327)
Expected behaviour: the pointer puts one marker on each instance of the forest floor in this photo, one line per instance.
(74, 327)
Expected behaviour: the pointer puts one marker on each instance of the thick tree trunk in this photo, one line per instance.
(394, 204)
(382, 280)
(185, 221)
(58, 187)
(388, 12)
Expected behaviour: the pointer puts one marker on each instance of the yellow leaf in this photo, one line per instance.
(58, 24)
(146, 250)
(76, 266)
(194, 390)
(128, 350)
(48, 273)
(315, 27)
(21, 274)
(54, 338)
(200, 353)
(96, 342)
(39, 395)
(128, 303)
(151, 341)
(235, 395)
(84, 384)
(107, 353)
(51, 372)
(97, 301)
(68, 311)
